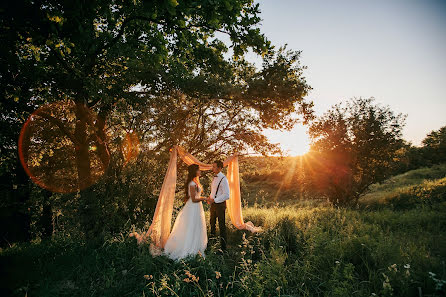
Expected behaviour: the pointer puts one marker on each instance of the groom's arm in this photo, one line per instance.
(224, 193)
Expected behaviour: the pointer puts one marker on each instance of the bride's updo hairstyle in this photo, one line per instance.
(191, 174)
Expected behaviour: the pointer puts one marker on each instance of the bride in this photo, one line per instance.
(189, 235)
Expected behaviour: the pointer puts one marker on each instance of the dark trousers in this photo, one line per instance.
(218, 211)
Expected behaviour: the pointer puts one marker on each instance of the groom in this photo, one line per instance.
(217, 200)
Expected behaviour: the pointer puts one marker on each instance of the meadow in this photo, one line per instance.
(97, 94)
(392, 244)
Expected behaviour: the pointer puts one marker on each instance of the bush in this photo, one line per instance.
(427, 194)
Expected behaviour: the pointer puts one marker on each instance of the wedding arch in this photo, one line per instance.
(159, 230)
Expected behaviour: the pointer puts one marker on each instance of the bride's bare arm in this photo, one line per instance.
(193, 193)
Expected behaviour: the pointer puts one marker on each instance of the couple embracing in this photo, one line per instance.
(189, 235)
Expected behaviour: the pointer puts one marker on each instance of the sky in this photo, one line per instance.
(393, 50)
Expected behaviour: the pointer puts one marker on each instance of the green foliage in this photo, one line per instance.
(434, 146)
(285, 236)
(355, 145)
(317, 251)
(409, 158)
(158, 70)
(432, 151)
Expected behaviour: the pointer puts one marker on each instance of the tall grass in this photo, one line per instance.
(307, 248)
(303, 251)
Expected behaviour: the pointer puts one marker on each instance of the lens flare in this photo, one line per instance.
(63, 147)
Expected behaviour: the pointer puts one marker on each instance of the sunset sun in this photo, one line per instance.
(294, 143)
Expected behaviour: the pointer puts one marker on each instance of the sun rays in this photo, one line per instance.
(299, 169)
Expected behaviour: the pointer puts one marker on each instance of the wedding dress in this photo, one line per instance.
(189, 234)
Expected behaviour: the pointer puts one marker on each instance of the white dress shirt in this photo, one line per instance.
(223, 190)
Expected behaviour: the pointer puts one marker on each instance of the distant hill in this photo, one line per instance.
(419, 187)
(272, 180)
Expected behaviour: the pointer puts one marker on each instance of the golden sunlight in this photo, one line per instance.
(294, 143)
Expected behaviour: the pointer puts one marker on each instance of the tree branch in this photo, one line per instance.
(59, 124)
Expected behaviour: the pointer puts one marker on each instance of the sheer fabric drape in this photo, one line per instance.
(160, 228)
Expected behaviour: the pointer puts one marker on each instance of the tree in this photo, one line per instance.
(354, 145)
(409, 157)
(155, 67)
(96, 53)
(434, 146)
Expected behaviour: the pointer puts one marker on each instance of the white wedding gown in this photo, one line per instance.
(189, 235)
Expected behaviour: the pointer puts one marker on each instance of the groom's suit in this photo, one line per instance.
(220, 193)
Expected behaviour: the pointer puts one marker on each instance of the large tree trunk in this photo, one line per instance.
(46, 220)
(83, 166)
(90, 208)
(19, 217)
(82, 147)
(101, 138)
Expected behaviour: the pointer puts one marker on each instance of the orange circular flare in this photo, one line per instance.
(130, 147)
(63, 147)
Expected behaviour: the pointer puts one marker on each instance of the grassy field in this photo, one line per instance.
(394, 244)
(403, 183)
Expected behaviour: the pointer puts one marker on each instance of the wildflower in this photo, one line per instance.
(147, 277)
(217, 274)
(164, 283)
(392, 267)
(386, 283)
(337, 262)
(407, 266)
(191, 277)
